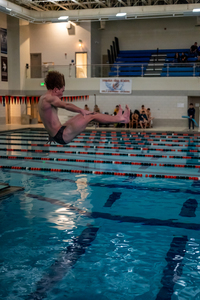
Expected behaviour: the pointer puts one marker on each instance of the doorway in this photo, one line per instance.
(196, 103)
(81, 64)
(36, 65)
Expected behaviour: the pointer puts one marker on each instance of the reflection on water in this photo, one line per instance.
(82, 188)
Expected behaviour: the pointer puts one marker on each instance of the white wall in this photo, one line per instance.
(54, 40)
(24, 41)
(162, 107)
(168, 33)
(13, 54)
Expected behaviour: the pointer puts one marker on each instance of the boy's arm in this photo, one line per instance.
(56, 102)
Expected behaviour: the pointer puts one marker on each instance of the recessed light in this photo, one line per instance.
(63, 18)
(120, 14)
(8, 8)
(196, 10)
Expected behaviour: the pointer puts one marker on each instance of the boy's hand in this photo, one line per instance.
(86, 112)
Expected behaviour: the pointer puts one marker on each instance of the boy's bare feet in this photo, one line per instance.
(125, 118)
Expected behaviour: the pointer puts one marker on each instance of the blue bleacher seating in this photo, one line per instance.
(135, 62)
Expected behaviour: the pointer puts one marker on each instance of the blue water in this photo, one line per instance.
(125, 260)
(141, 236)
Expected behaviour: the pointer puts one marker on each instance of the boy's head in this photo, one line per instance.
(191, 104)
(54, 79)
(148, 109)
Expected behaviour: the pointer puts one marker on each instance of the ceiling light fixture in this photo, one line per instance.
(120, 14)
(63, 18)
(196, 10)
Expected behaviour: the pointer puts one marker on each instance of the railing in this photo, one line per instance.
(117, 70)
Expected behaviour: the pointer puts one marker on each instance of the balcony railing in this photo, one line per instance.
(118, 70)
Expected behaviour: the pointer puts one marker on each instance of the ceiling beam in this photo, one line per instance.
(100, 3)
(79, 3)
(57, 4)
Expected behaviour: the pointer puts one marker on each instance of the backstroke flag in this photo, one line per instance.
(115, 86)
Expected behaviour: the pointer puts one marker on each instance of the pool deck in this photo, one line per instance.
(154, 129)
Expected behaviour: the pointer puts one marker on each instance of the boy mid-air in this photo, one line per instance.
(48, 109)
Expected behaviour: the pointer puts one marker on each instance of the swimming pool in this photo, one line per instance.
(109, 235)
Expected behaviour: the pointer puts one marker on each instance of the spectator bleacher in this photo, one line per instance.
(153, 63)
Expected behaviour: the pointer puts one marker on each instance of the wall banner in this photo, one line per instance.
(3, 39)
(115, 86)
(4, 69)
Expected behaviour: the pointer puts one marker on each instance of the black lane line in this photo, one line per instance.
(66, 260)
(112, 198)
(129, 187)
(143, 168)
(127, 219)
(175, 255)
(189, 207)
(173, 271)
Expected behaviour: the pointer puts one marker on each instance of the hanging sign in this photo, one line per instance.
(115, 86)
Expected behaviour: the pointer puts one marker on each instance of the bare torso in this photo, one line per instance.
(49, 115)
(148, 115)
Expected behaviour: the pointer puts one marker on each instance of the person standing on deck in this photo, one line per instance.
(48, 109)
(191, 113)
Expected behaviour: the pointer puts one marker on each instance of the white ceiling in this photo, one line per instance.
(42, 11)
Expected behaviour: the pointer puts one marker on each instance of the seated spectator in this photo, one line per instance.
(143, 119)
(143, 108)
(149, 117)
(134, 120)
(137, 112)
(177, 58)
(96, 108)
(116, 110)
(183, 57)
(193, 50)
(86, 107)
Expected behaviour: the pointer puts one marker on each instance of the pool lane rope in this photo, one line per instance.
(101, 153)
(120, 143)
(101, 173)
(98, 161)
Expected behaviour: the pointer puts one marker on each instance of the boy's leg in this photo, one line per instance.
(78, 123)
(189, 120)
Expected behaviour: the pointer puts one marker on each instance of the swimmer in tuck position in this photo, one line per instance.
(48, 109)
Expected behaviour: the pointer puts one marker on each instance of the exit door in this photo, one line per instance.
(81, 64)
(196, 103)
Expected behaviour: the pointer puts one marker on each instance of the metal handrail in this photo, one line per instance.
(113, 70)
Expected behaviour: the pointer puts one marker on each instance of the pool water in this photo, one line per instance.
(86, 236)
